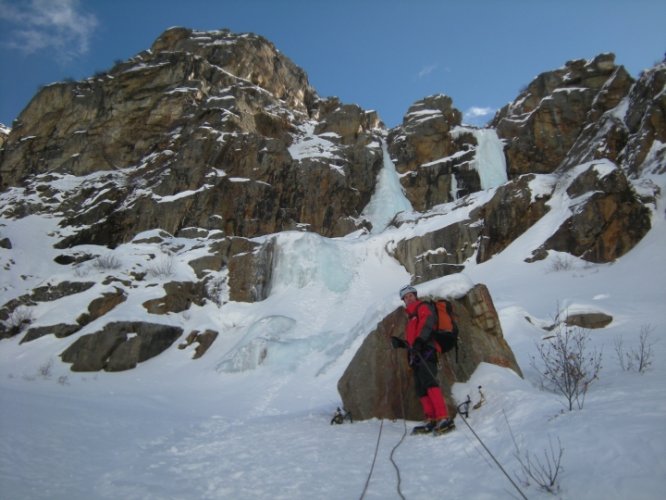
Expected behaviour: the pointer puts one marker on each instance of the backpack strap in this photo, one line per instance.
(433, 315)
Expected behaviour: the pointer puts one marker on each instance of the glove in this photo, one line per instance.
(398, 343)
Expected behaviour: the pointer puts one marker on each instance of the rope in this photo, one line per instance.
(478, 438)
(404, 428)
(494, 459)
(374, 459)
(395, 465)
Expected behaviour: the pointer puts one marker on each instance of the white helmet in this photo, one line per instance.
(407, 289)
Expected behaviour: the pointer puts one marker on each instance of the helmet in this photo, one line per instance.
(407, 289)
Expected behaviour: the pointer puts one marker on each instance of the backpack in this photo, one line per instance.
(445, 332)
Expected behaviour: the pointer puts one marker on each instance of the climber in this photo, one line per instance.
(422, 352)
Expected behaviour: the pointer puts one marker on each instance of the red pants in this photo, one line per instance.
(433, 404)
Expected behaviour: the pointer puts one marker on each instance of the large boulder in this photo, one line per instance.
(378, 382)
(120, 346)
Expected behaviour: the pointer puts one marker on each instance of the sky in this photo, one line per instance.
(380, 54)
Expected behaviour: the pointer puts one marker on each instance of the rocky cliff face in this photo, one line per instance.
(547, 118)
(210, 143)
(587, 113)
(204, 130)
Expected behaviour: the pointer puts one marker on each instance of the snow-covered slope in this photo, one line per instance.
(250, 419)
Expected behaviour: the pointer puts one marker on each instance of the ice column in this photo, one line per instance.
(389, 198)
(489, 161)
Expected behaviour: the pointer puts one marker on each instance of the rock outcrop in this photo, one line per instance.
(546, 119)
(378, 383)
(430, 157)
(608, 220)
(13, 320)
(4, 133)
(207, 129)
(120, 346)
(589, 113)
(513, 209)
(438, 253)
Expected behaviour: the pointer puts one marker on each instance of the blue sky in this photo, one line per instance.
(379, 54)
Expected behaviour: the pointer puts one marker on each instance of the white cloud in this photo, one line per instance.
(477, 115)
(477, 112)
(52, 25)
(427, 70)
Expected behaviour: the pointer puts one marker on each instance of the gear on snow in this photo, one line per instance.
(339, 417)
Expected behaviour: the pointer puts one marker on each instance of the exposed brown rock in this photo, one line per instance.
(544, 122)
(589, 320)
(60, 330)
(646, 122)
(119, 346)
(512, 211)
(206, 127)
(438, 253)
(102, 305)
(45, 293)
(250, 273)
(606, 224)
(4, 133)
(203, 340)
(420, 146)
(377, 382)
(179, 296)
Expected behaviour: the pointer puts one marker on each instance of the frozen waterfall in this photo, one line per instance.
(489, 160)
(388, 199)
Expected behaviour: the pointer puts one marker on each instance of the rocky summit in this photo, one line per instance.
(209, 145)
